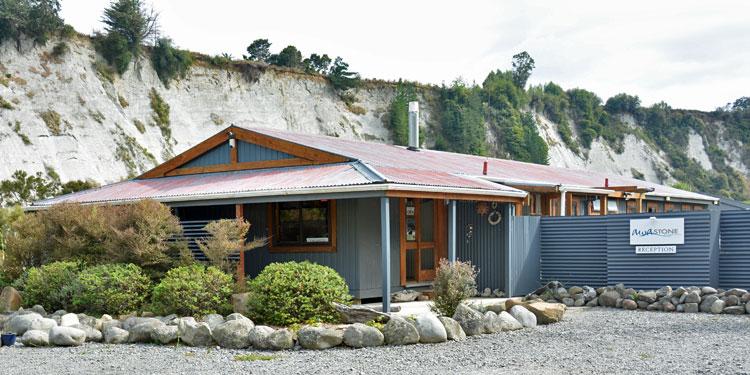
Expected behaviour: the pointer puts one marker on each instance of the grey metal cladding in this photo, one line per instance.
(574, 250)
(734, 263)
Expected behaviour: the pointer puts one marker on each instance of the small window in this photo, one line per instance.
(307, 226)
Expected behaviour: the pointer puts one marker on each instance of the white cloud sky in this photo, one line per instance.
(691, 54)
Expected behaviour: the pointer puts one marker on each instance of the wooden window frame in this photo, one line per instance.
(273, 209)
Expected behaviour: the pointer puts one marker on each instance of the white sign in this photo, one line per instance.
(653, 231)
(656, 249)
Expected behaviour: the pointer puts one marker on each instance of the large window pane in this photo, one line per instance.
(427, 220)
(303, 223)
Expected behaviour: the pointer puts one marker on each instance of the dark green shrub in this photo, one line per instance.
(341, 77)
(3, 281)
(193, 290)
(292, 293)
(51, 285)
(60, 49)
(170, 62)
(454, 283)
(111, 289)
(115, 50)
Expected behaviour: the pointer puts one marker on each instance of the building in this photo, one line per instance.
(374, 212)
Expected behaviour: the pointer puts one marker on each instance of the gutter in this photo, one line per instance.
(376, 187)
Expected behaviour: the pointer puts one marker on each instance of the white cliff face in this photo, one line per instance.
(105, 131)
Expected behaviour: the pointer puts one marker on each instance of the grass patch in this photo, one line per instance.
(97, 116)
(104, 71)
(139, 125)
(645, 356)
(161, 113)
(53, 121)
(60, 50)
(4, 104)
(123, 102)
(255, 357)
(17, 129)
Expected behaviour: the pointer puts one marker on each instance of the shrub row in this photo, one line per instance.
(124, 288)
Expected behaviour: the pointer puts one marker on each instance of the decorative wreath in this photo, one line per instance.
(494, 217)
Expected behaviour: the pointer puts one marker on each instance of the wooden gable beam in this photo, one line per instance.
(303, 155)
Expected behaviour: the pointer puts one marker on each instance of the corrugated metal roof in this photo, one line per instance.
(269, 180)
(381, 155)
(220, 183)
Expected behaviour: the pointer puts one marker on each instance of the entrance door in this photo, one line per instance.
(421, 239)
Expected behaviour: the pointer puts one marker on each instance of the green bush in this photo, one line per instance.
(115, 50)
(170, 62)
(111, 289)
(52, 285)
(291, 293)
(193, 290)
(454, 283)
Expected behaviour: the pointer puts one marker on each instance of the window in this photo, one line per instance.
(303, 226)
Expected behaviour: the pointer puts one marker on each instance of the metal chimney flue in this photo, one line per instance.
(413, 126)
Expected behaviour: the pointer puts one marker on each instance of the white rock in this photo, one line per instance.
(523, 316)
(43, 324)
(430, 329)
(69, 320)
(35, 338)
(66, 336)
(116, 335)
(359, 335)
(20, 323)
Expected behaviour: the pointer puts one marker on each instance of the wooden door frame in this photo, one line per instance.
(438, 244)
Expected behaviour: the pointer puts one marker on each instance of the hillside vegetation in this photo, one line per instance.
(128, 98)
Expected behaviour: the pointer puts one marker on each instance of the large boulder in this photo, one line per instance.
(545, 312)
(319, 338)
(498, 307)
(717, 307)
(732, 300)
(691, 307)
(35, 338)
(130, 322)
(20, 323)
(707, 290)
(405, 296)
(10, 300)
(629, 304)
(491, 325)
(453, 329)
(92, 334)
(66, 336)
(398, 331)
(430, 329)
(115, 335)
(359, 314)
(692, 297)
(736, 292)
(213, 320)
(608, 298)
(239, 302)
(194, 334)
(734, 310)
(507, 322)
(359, 335)
(524, 316)
(164, 334)
(708, 302)
(472, 321)
(143, 331)
(259, 337)
(280, 339)
(69, 320)
(647, 296)
(236, 316)
(43, 324)
(665, 291)
(234, 334)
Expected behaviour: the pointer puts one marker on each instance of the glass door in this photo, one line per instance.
(418, 240)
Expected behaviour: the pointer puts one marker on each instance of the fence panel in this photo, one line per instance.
(574, 250)
(524, 255)
(734, 265)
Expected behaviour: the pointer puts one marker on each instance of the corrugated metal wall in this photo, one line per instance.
(691, 265)
(524, 257)
(217, 155)
(596, 251)
(481, 243)
(252, 152)
(344, 260)
(734, 266)
(574, 250)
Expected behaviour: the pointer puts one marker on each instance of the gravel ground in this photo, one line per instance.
(587, 341)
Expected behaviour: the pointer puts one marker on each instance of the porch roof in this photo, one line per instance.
(312, 179)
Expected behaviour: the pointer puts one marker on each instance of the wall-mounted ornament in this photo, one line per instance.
(483, 208)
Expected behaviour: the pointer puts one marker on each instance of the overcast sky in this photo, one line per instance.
(691, 54)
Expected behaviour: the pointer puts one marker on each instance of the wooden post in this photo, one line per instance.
(519, 208)
(639, 204)
(603, 205)
(239, 212)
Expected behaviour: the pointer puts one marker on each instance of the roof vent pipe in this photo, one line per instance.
(413, 126)
(484, 168)
(606, 182)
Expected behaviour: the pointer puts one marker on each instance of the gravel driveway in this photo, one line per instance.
(588, 340)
